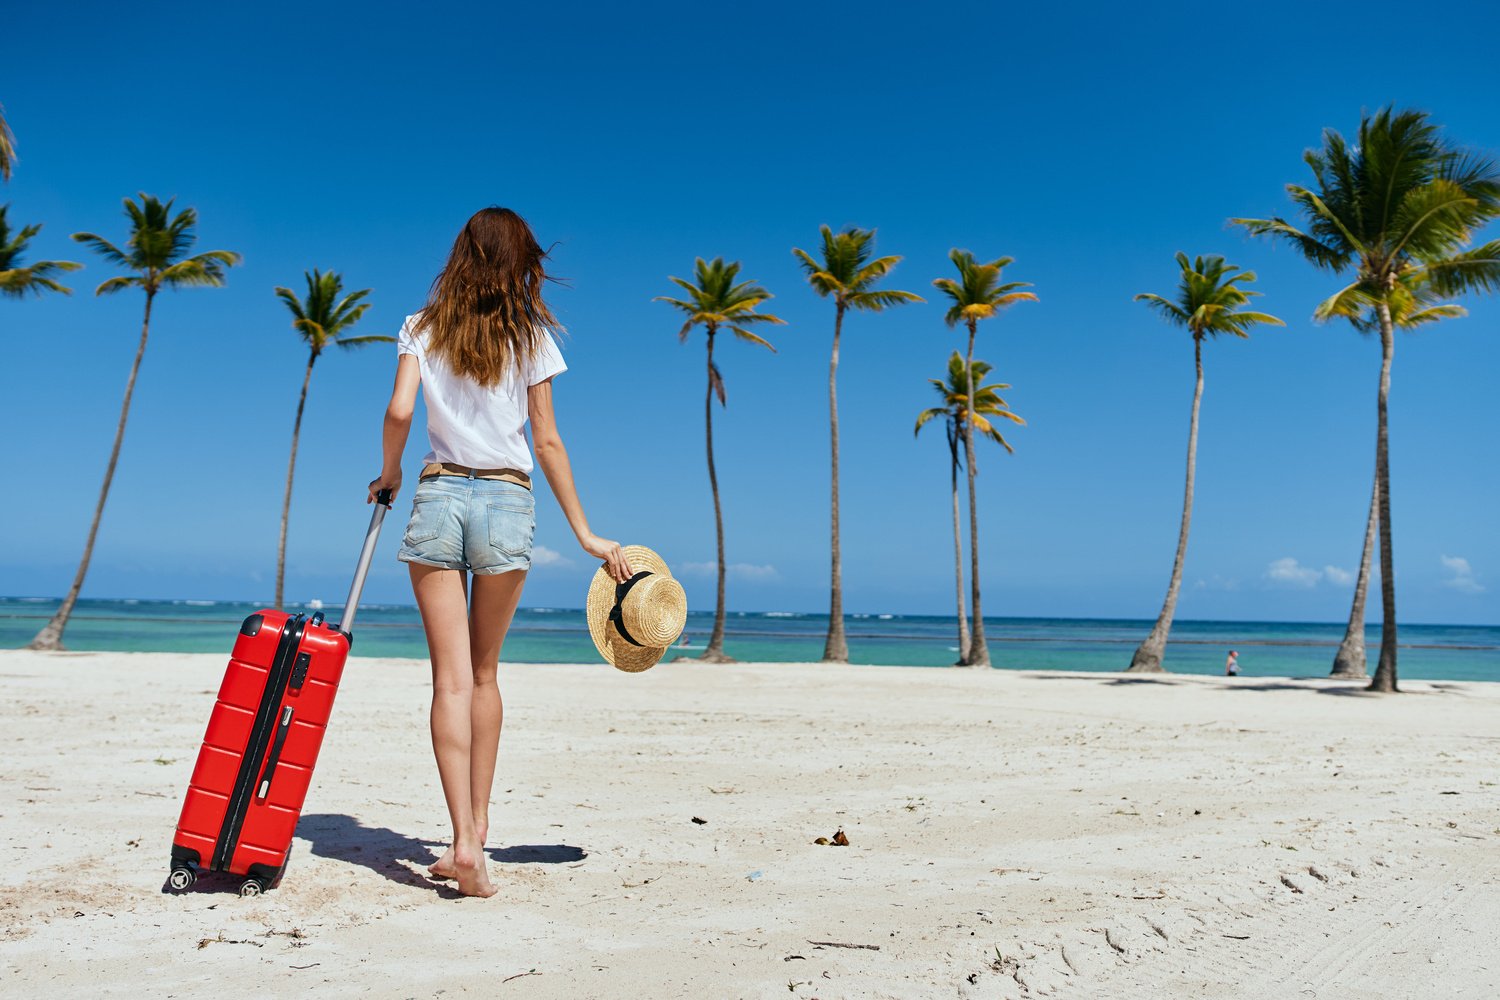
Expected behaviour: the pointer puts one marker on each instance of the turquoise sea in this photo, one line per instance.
(558, 635)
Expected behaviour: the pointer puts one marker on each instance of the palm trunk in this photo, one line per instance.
(1148, 656)
(291, 466)
(1385, 667)
(715, 651)
(50, 637)
(979, 651)
(1349, 661)
(958, 555)
(836, 648)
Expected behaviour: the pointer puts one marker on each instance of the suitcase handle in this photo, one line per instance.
(372, 535)
(275, 755)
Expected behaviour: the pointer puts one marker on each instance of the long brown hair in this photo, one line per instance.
(485, 311)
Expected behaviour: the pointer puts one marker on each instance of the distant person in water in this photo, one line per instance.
(1232, 665)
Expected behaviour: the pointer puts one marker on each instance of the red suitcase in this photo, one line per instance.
(257, 759)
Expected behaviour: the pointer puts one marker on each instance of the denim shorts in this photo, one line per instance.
(480, 525)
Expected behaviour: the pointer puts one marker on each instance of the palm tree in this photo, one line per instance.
(320, 319)
(977, 294)
(1400, 204)
(157, 252)
(1410, 309)
(954, 392)
(16, 280)
(847, 273)
(1209, 301)
(7, 146)
(715, 300)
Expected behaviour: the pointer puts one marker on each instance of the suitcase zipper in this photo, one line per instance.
(275, 755)
(260, 734)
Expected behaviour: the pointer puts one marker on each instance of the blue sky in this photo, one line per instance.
(1090, 142)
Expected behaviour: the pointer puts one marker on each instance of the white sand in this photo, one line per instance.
(1108, 837)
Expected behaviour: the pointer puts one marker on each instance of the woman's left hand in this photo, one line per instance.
(611, 553)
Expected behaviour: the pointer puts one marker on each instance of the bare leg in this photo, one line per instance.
(490, 613)
(440, 597)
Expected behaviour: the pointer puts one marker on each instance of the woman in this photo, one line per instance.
(483, 355)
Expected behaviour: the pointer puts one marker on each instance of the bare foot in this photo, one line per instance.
(470, 870)
(443, 867)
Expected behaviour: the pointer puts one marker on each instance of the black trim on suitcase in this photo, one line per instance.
(260, 734)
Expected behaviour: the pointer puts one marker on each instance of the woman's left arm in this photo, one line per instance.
(552, 456)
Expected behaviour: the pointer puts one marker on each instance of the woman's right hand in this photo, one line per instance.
(384, 482)
(611, 553)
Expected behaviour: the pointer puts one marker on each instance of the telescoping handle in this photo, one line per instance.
(372, 535)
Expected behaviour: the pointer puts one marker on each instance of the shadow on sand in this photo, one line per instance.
(537, 854)
(378, 848)
(1109, 679)
(1347, 688)
(388, 853)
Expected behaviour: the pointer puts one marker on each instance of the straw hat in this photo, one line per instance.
(652, 609)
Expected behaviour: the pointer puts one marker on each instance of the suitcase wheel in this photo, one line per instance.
(182, 877)
(252, 887)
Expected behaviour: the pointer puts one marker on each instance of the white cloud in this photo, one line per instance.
(543, 556)
(1289, 572)
(739, 571)
(1462, 579)
(1217, 582)
(1458, 565)
(1342, 577)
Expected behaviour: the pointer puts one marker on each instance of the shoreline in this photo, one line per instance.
(1108, 834)
(1311, 682)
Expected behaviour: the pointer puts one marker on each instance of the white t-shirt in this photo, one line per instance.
(469, 424)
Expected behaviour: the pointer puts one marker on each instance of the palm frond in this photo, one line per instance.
(1349, 302)
(874, 271)
(1313, 249)
(1476, 270)
(7, 146)
(118, 283)
(290, 300)
(744, 334)
(364, 340)
(1433, 314)
(17, 282)
(103, 248)
(204, 271)
(716, 383)
(1173, 311)
(925, 416)
(878, 301)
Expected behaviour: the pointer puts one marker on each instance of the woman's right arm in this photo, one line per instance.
(397, 425)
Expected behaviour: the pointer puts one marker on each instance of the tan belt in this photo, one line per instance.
(450, 469)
